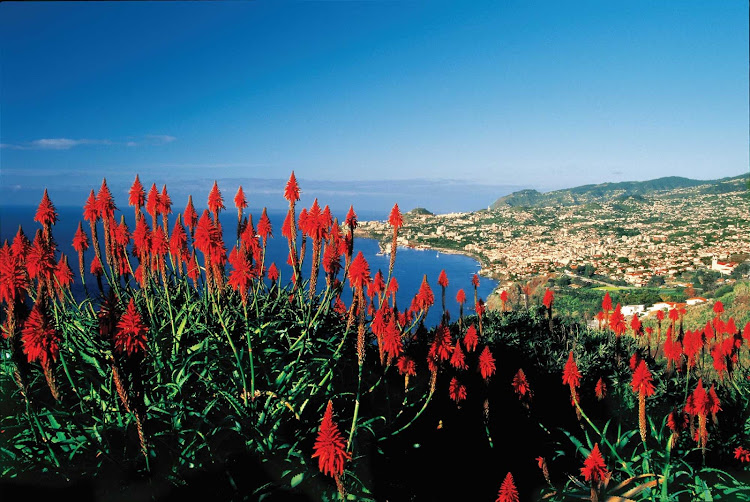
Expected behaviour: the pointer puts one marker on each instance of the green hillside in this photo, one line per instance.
(606, 192)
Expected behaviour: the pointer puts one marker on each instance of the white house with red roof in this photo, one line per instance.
(723, 267)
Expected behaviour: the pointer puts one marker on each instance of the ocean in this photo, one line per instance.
(410, 267)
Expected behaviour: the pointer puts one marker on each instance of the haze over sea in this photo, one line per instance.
(411, 264)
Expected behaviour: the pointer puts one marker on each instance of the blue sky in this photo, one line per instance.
(472, 99)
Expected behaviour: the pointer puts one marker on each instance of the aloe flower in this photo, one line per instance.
(165, 208)
(521, 384)
(130, 337)
(137, 196)
(46, 214)
(601, 389)
(594, 469)
(189, 215)
(643, 386)
(330, 447)
(457, 390)
(424, 298)
(508, 491)
(617, 322)
(41, 343)
(215, 201)
(396, 221)
(458, 359)
(504, 299)
(152, 203)
(471, 339)
(486, 363)
(572, 378)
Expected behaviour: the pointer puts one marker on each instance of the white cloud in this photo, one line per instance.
(67, 143)
(160, 139)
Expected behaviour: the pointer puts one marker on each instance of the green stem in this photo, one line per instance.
(250, 353)
(356, 411)
(236, 355)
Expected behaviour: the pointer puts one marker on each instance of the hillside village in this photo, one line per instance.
(663, 238)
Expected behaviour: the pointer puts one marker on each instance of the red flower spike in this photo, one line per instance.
(91, 209)
(96, 267)
(742, 454)
(12, 275)
(273, 273)
(105, 202)
(264, 226)
(291, 191)
(152, 201)
(351, 218)
(520, 383)
(607, 302)
(136, 195)
(508, 491)
(461, 296)
(215, 200)
(41, 342)
(504, 296)
(131, 332)
(600, 390)
(718, 307)
(45, 213)
(642, 380)
(456, 390)
(240, 202)
(443, 279)
(359, 272)
(395, 219)
(571, 375)
(486, 363)
(594, 469)
(425, 298)
(549, 297)
(406, 366)
(458, 360)
(471, 339)
(330, 447)
(63, 273)
(617, 321)
(80, 240)
(165, 202)
(189, 215)
(475, 281)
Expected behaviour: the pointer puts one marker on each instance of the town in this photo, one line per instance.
(668, 238)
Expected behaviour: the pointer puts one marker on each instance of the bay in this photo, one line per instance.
(410, 268)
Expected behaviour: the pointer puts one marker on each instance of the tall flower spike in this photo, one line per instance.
(425, 298)
(643, 386)
(594, 468)
(215, 200)
(45, 213)
(571, 375)
(137, 195)
(105, 202)
(291, 191)
(264, 226)
(189, 215)
(486, 363)
(91, 209)
(508, 491)
(240, 202)
(131, 333)
(359, 272)
(330, 448)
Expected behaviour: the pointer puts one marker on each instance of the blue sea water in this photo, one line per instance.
(410, 267)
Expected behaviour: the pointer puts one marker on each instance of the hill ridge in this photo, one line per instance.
(608, 191)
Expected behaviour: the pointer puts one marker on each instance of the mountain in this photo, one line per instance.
(607, 192)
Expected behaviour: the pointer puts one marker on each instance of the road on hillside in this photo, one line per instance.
(569, 274)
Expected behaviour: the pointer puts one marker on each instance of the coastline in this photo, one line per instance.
(483, 263)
